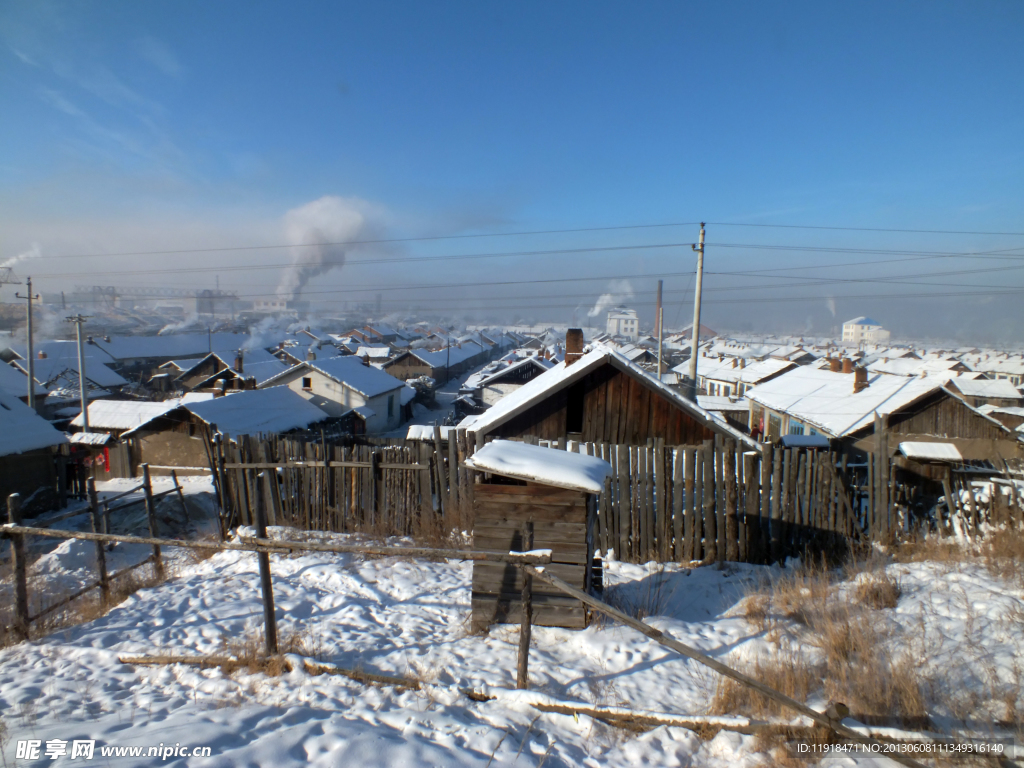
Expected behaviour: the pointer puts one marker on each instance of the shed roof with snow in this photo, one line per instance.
(22, 429)
(548, 466)
(258, 411)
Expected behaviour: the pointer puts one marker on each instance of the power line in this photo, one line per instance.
(869, 229)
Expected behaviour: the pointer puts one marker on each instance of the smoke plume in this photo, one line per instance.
(618, 292)
(31, 253)
(318, 232)
(831, 304)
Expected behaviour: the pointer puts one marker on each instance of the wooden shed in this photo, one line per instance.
(547, 494)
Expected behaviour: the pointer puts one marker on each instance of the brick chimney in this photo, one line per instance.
(734, 362)
(573, 345)
(310, 355)
(847, 365)
(238, 361)
(835, 364)
(743, 362)
(860, 379)
(42, 355)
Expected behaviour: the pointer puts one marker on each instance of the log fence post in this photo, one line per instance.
(526, 619)
(266, 585)
(147, 487)
(19, 565)
(98, 526)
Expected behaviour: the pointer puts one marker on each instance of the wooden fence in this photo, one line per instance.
(718, 501)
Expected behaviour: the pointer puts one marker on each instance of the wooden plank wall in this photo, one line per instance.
(559, 519)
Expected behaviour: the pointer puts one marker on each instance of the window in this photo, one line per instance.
(774, 426)
(307, 383)
(727, 391)
(796, 428)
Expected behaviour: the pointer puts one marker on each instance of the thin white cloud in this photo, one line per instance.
(159, 55)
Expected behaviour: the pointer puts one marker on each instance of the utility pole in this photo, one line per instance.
(78, 320)
(661, 333)
(31, 352)
(699, 248)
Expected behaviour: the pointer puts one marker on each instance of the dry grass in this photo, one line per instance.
(249, 652)
(649, 598)
(827, 640)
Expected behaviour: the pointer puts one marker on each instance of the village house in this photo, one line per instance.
(219, 370)
(623, 323)
(863, 329)
(600, 396)
(977, 392)
(507, 378)
(27, 446)
(733, 376)
(842, 407)
(178, 438)
(341, 384)
(440, 365)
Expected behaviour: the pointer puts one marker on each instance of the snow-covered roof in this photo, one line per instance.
(90, 438)
(537, 362)
(826, 400)
(350, 371)
(15, 381)
(373, 351)
(172, 345)
(909, 366)
(724, 370)
(123, 414)
(713, 403)
(561, 376)
(426, 432)
(548, 466)
(50, 368)
(407, 395)
(445, 356)
(258, 411)
(22, 429)
(931, 451)
(1001, 388)
(862, 321)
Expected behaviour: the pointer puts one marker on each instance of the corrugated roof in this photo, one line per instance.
(123, 414)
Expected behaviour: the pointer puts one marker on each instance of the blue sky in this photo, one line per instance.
(147, 126)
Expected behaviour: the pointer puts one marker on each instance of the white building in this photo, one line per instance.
(623, 322)
(863, 329)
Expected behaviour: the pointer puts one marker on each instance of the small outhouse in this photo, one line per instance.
(553, 494)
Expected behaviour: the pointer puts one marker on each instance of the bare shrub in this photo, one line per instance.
(650, 598)
(249, 651)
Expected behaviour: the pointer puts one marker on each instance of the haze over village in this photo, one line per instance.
(481, 385)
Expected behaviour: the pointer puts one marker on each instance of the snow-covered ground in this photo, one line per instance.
(410, 618)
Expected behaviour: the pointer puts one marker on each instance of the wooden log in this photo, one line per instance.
(604, 517)
(720, 510)
(266, 585)
(776, 511)
(19, 565)
(662, 638)
(710, 512)
(690, 538)
(442, 501)
(662, 507)
(678, 498)
(147, 489)
(96, 519)
(699, 523)
(526, 620)
(764, 536)
(453, 481)
(731, 507)
(749, 507)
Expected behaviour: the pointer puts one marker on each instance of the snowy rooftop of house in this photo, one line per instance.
(862, 321)
(350, 371)
(15, 381)
(258, 411)
(172, 345)
(49, 368)
(445, 356)
(90, 438)
(712, 403)
(548, 466)
(931, 451)
(909, 366)
(561, 376)
(373, 351)
(826, 400)
(426, 432)
(986, 388)
(22, 429)
(407, 395)
(724, 370)
(123, 414)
